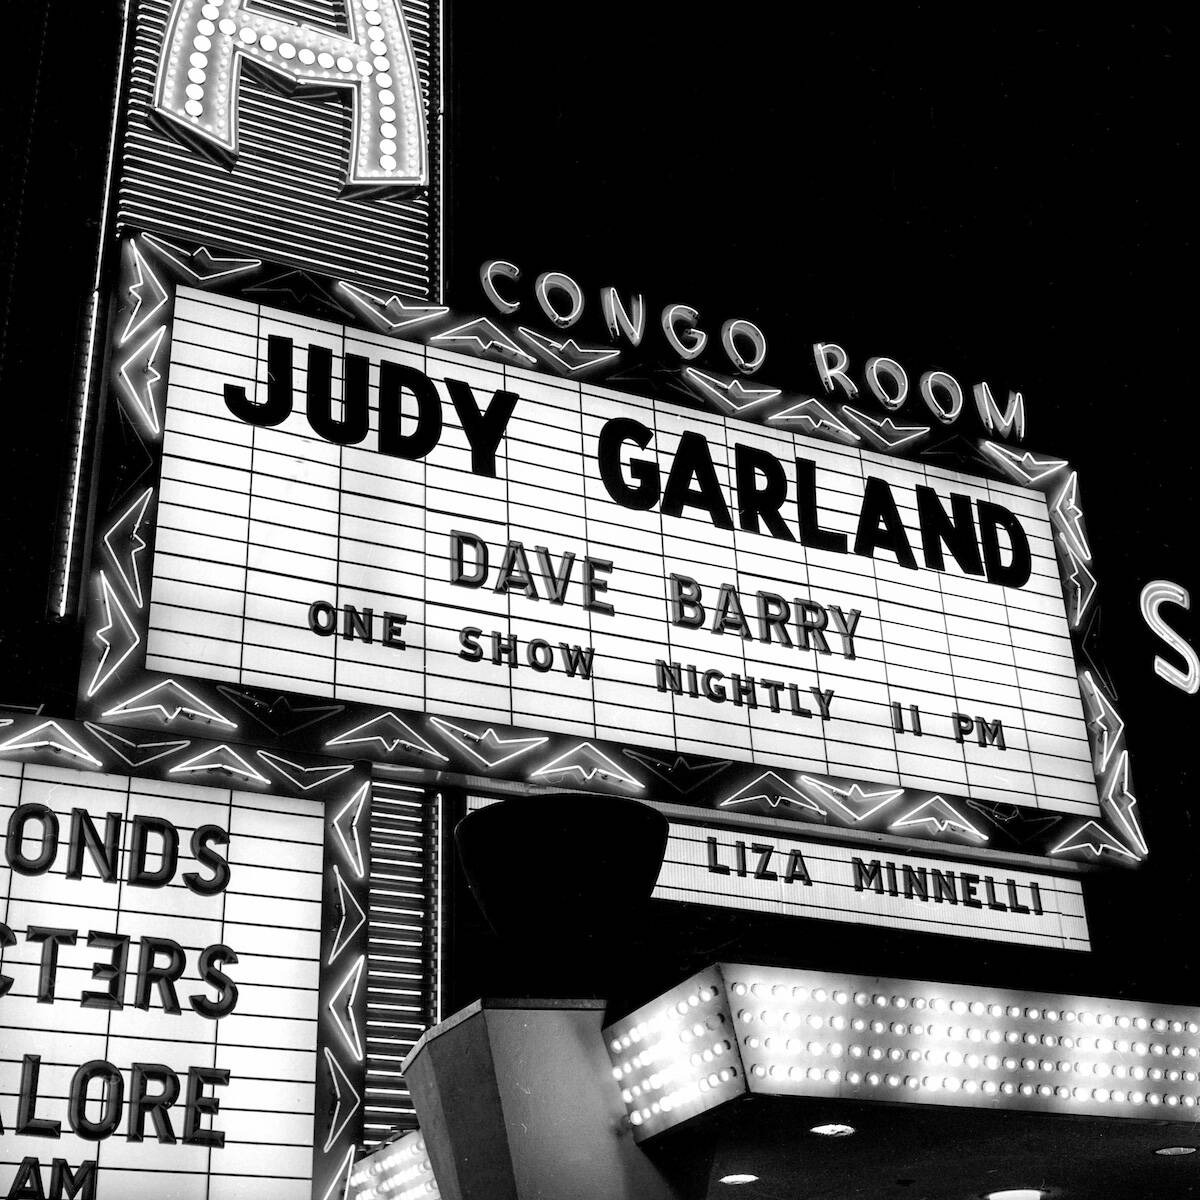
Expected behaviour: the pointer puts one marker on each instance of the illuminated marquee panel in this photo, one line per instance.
(734, 1030)
(239, 879)
(250, 538)
(762, 872)
(632, 755)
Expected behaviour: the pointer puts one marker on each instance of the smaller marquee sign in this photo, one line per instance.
(182, 955)
(762, 872)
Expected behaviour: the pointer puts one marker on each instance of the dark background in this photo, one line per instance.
(1002, 197)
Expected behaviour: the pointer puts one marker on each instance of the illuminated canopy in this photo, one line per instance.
(735, 1030)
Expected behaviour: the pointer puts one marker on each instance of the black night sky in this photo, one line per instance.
(1004, 197)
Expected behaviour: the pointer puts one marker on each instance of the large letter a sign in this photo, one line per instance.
(208, 43)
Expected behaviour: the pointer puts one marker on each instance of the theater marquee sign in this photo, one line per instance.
(183, 934)
(376, 530)
(363, 518)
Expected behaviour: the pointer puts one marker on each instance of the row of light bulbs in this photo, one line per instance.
(978, 1008)
(676, 1057)
(403, 1173)
(959, 1050)
(794, 1023)
(705, 1043)
(956, 1058)
(987, 1087)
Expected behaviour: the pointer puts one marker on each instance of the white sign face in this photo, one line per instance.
(508, 547)
(135, 969)
(764, 873)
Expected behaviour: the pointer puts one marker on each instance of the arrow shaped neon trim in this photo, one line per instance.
(131, 578)
(835, 796)
(63, 743)
(942, 816)
(190, 706)
(581, 358)
(296, 774)
(407, 738)
(886, 434)
(823, 421)
(349, 987)
(700, 773)
(352, 846)
(216, 758)
(466, 740)
(605, 767)
(1068, 516)
(735, 395)
(1024, 468)
(341, 1177)
(487, 338)
(1094, 838)
(1123, 803)
(341, 1088)
(115, 613)
(184, 260)
(1103, 718)
(776, 791)
(145, 311)
(383, 311)
(351, 909)
(114, 742)
(1083, 583)
(141, 396)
